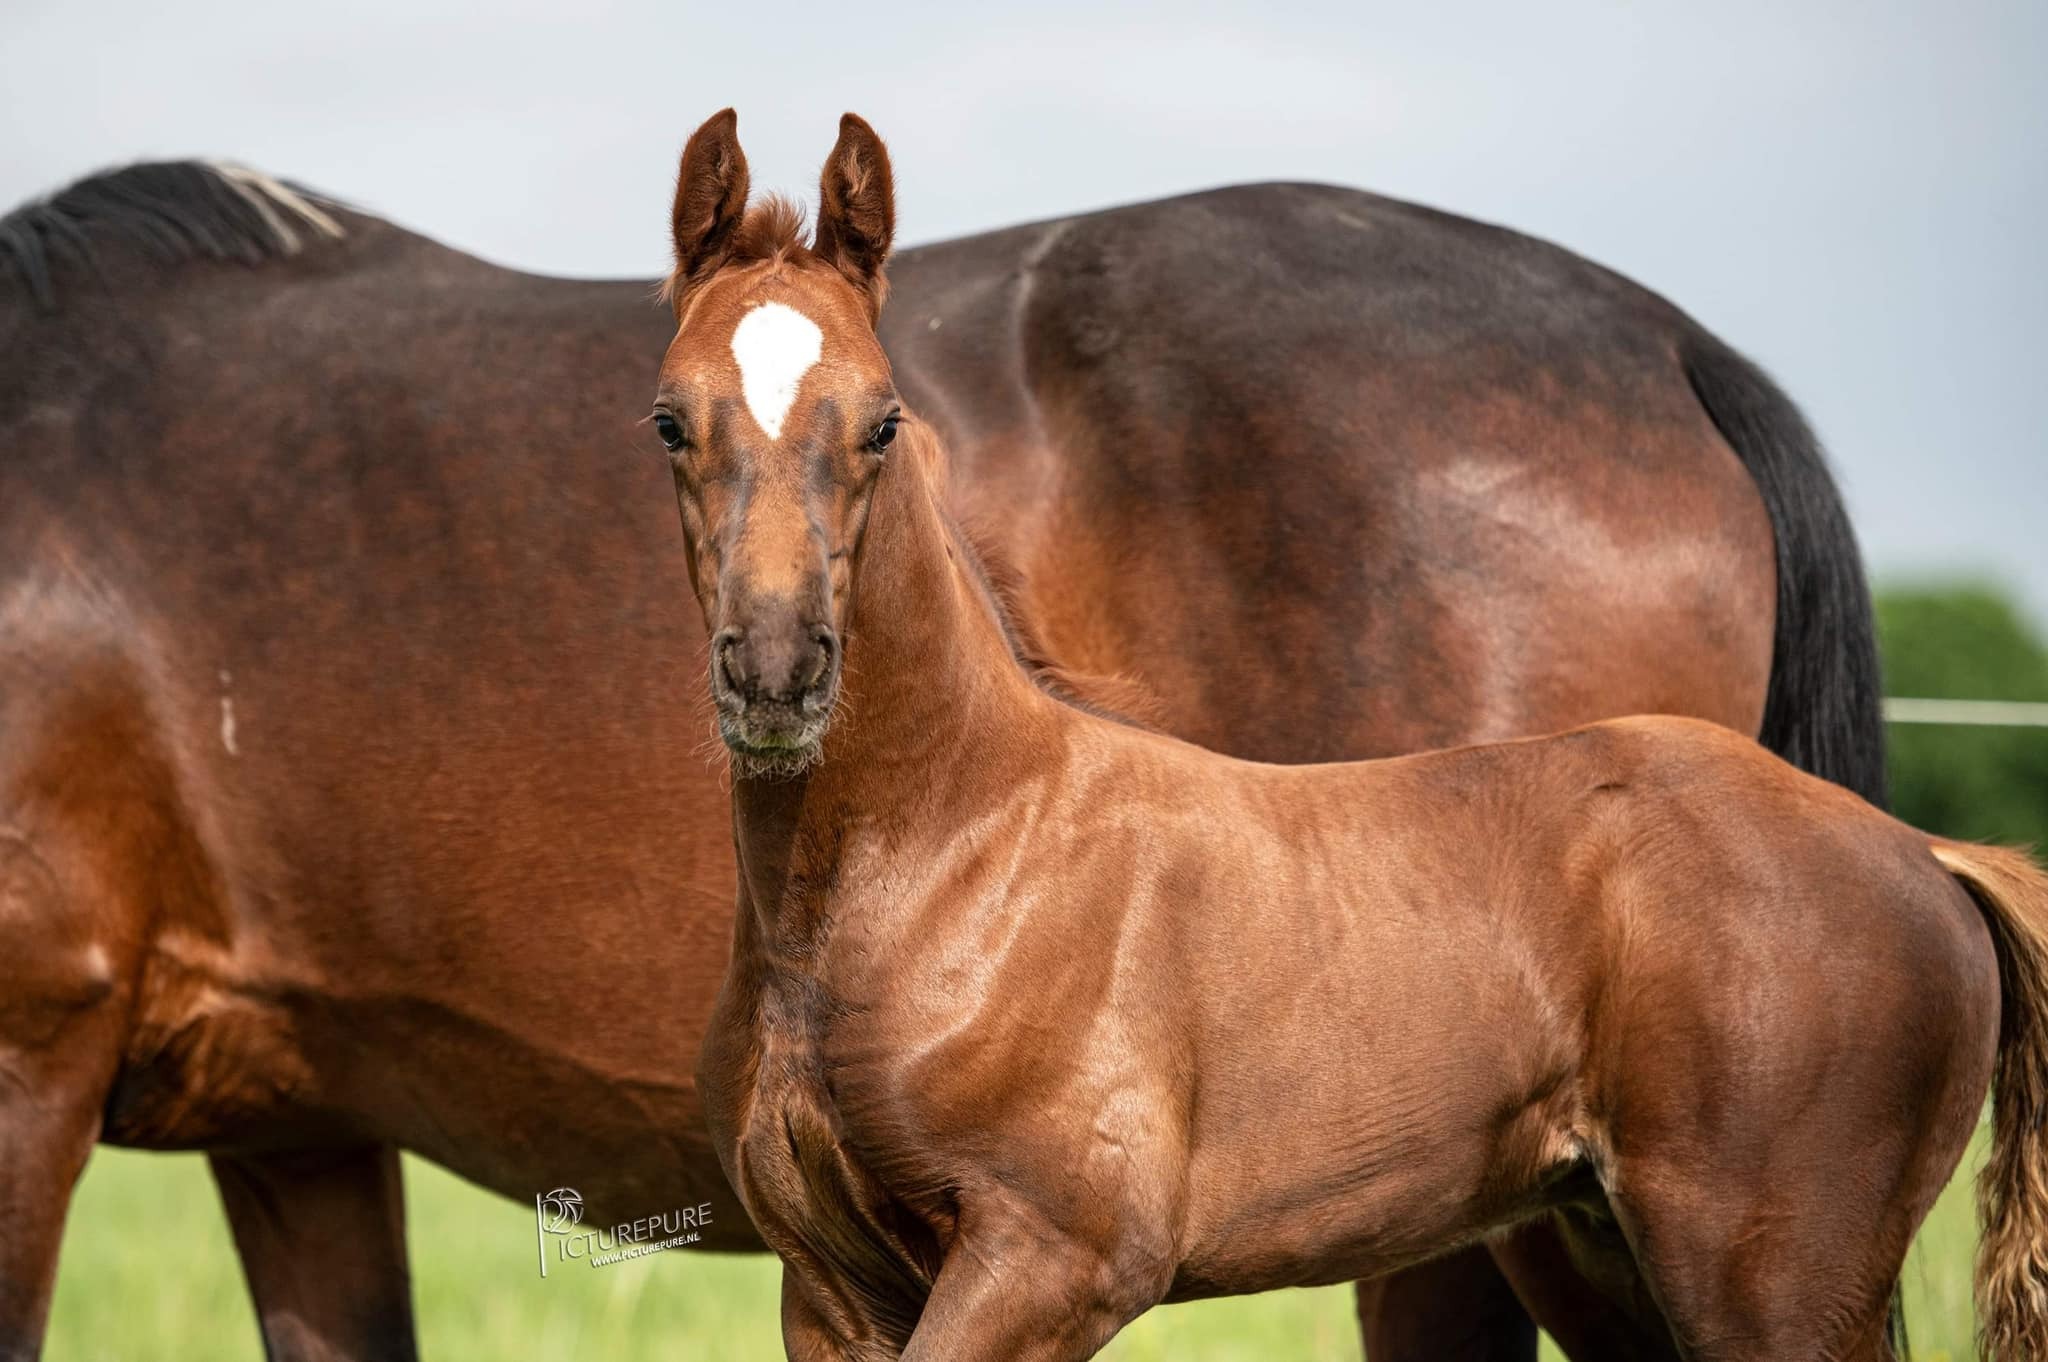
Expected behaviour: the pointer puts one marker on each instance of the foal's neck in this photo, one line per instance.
(937, 718)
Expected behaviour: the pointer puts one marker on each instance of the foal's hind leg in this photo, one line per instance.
(1779, 1231)
(321, 1235)
(1769, 1198)
(1761, 1277)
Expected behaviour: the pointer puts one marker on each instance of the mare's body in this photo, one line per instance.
(348, 691)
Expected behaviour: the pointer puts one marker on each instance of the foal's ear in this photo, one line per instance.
(857, 209)
(711, 201)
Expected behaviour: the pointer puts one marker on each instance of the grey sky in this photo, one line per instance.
(1856, 194)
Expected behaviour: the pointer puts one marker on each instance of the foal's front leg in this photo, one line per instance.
(1015, 1289)
(806, 1337)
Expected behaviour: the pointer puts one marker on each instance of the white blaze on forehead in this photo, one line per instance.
(775, 346)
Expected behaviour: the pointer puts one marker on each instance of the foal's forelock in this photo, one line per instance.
(772, 233)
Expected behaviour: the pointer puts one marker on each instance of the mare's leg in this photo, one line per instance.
(60, 1019)
(57, 1059)
(49, 1118)
(67, 949)
(321, 1234)
(1457, 1308)
(1575, 1273)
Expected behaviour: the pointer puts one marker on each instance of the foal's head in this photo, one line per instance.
(778, 409)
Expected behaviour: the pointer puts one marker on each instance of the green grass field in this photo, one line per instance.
(149, 1276)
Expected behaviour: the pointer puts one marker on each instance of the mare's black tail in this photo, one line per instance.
(1823, 709)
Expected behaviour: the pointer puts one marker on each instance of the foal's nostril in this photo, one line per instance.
(811, 684)
(724, 671)
(827, 651)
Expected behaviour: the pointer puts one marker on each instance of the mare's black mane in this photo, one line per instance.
(173, 211)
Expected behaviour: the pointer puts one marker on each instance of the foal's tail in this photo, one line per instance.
(2012, 1192)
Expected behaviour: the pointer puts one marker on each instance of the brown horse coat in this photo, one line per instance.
(348, 688)
(1035, 1018)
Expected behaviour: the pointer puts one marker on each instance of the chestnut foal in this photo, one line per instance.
(1035, 1019)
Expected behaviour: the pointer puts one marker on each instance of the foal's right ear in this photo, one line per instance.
(711, 201)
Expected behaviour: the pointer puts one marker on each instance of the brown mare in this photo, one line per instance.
(1036, 1018)
(345, 667)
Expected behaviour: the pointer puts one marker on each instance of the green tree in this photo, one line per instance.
(1966, 641)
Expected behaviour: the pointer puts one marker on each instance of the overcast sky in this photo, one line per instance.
(1856, 194)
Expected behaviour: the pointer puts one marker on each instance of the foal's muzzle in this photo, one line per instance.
(774, 682)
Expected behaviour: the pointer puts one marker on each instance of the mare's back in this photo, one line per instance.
(1317, 465)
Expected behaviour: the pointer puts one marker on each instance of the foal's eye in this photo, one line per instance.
(665, 426)
(883, 435)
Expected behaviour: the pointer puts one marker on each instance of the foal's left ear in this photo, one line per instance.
(857, 209)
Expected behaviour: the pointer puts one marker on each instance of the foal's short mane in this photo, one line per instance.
(172, 210)
(1116, 697)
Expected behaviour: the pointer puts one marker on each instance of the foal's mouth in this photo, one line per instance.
(782, 743)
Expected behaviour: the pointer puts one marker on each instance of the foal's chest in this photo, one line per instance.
(805, 1183)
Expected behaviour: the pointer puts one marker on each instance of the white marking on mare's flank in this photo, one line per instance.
(775, 346)
(227, 713)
